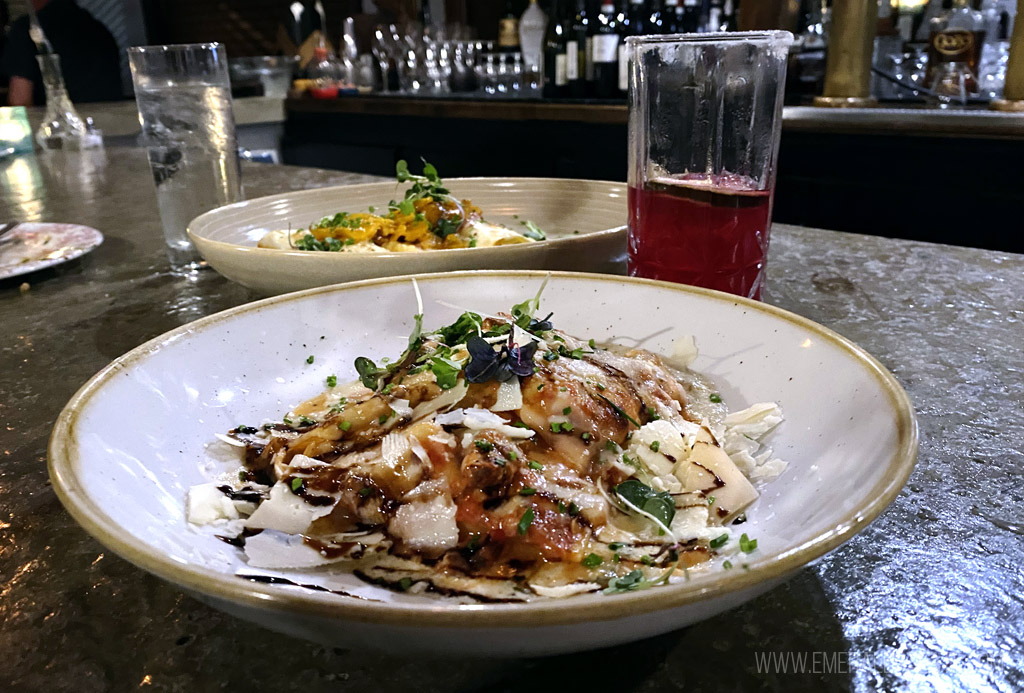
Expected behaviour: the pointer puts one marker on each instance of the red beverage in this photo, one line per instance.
(701, 230)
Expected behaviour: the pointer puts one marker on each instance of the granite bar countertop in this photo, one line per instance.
(929, 597)
(121, 118)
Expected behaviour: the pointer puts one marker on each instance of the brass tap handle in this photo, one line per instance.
(851, 44)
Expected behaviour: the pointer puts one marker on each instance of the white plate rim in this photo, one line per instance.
(36, 265)
(197, 238)
(61, 457)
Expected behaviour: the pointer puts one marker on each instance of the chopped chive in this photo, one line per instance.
(715, 397)
(574, 509)
(513, 455)
(747, 544)
(404, 584)
(540, 387)
(483, 445)
(711, 500)
(615, 545)
(525, 521)
(567, 411)
(600, 387)
(592, 561)
(309, 359)
(527, 491)
(561, 507)
(296, 484)
(592, 343)
(719, 541)
(365, 491)
(727, 565)
(332, 381)
(655, 446)
(586, 437)
(646, 560)
(534, 464)
(345, 425)
(550, 356)
(387, 389)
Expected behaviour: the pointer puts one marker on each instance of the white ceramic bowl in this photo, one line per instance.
(585, 222)
(131, 442)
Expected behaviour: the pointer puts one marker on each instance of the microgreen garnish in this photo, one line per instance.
(747, 544)
(531, 231)
(633, 580)
(718, 541)
(525, 521)
(640, 495)
(592, 561)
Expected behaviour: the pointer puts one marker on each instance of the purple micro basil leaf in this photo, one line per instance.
(520, 359)
(478, 348)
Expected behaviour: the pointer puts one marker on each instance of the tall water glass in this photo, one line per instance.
(184, 99)
(705, 113)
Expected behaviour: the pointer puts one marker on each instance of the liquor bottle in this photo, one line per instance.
(556, 58)
(955, 38)
(424, 17)
(690, 20)
(605, 49)
(638, 19)
(670, 17)
(508, 29)
(576, 51)
(532, 26)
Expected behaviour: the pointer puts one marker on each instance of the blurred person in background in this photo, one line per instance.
(5, 19)
(89, 55)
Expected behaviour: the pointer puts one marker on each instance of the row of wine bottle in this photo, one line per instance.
(584, 49)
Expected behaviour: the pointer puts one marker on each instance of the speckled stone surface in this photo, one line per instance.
(929, 597)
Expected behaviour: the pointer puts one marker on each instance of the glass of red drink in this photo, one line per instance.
(705, 114)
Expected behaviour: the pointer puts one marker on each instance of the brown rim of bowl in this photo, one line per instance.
(378, 257)
(62, 460)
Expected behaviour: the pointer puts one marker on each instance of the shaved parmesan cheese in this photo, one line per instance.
(270, 549)
(684, 350)
(426, 525)
(286, 512)
(565, 590)
(448, 398)
(206, 504)
(510, 396)
(481, 419)
(401, 408)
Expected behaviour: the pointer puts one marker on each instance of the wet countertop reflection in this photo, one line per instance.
(930, 596)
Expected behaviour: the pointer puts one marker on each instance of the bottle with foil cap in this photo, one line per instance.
(955, 40)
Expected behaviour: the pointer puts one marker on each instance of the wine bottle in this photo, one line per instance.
(670, 17)
(556, 58)
(625, 29)
(656, 21)
(638, 19)
(605, 48)
(508, 29)
(691, 16)
(575, 51)
(592, 23)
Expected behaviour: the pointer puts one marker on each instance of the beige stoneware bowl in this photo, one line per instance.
(585, 222)
(132, 441)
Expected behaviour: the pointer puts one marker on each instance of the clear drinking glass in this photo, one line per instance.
(184, 99)
(705, 113)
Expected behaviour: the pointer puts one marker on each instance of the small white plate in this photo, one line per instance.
(132, 441)
(585, 222)
(34, 246)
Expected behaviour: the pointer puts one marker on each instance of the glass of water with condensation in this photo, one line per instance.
(184, 97)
